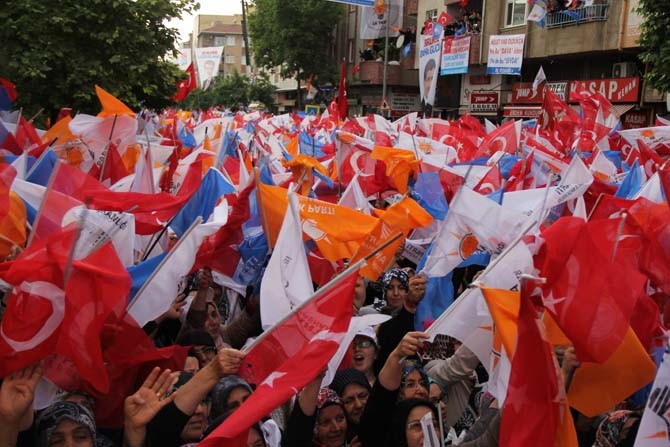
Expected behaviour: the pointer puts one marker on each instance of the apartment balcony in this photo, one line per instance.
(594, 13)
(372, 72)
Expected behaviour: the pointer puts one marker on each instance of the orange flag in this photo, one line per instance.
(13, 225)
(596, 388)
(59, 131)
(400, 164)
(402, 216)
(301, 167)
(337, 230)
(111, 105)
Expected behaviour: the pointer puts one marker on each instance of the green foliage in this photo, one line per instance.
(654, 41)
(56, 51)
(233, 91)
(296, 35)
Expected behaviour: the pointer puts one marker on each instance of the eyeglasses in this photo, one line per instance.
(411, 384)
(415, 426)
(363, 343)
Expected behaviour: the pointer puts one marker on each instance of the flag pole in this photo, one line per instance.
(322, 290)
(67, 270)
(261, 208)
(38, 216)
(105, 154)
(167, 257)
(153, 241)
(487, 270)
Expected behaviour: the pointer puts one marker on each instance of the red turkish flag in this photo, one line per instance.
(535, 397)
(151, 211)
(289, 356)
(186, 86)
(444, 18)
(503, 138)
(590, 295)
(45, 315)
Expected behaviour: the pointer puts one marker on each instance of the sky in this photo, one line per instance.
(218, 7)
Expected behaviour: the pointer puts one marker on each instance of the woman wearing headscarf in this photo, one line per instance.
(65, 424)
(390, 418)
(318, 419)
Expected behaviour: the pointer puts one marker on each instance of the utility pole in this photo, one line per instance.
(245, 34)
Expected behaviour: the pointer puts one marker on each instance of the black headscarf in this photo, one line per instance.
(398, 437)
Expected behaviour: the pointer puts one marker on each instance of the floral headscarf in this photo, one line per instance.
(49, 419)
(609, 430)
(398, 274)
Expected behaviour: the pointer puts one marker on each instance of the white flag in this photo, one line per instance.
(353, 197)
(655, 426)
(539, 79)
(286, 282)
(468, 319)
(472, 220)
(161, 289)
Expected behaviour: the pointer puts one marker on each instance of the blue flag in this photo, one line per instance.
(187, 139)
(140, 273)
(440, 291)
(202, 203)
(429, 194)
(43, 167)
(632, 183)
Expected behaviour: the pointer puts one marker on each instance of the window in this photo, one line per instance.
(230, 40)
(219, 41)
(516, 12)
(431, 15)
(243, 60)
(229, 59)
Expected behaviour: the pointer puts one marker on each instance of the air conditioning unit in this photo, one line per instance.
(624, 70)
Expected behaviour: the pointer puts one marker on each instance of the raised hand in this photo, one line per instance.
(141, 407)
(17, 393)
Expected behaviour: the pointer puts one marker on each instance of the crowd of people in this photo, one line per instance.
(394, 386)
(381, 398)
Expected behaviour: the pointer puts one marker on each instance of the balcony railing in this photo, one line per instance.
(584, 14)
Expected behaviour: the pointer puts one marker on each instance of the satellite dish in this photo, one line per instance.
(400, 41)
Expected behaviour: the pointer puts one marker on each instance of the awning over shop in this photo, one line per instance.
(620, 109)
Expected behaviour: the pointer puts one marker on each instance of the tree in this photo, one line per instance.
(232, 91)
(56, 51)
(296, 35)
(654, 41)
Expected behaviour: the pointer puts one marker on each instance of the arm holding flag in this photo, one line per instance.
(165, 428)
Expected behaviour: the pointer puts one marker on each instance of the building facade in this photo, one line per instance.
(222, 31)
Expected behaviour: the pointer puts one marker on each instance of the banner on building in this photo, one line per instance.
(429, 64)
(505, 54)
(616, 90)
(208, 60)
(455, 55)
(375, 19)
(183, 59)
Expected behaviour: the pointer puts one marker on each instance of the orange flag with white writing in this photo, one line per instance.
(337, 230)
(402, 216)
